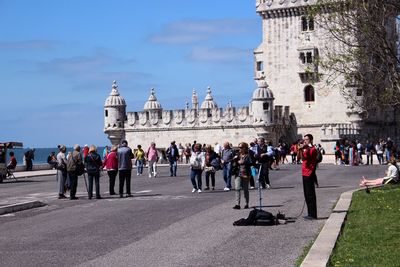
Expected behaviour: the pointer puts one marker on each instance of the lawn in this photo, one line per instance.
(371, 233)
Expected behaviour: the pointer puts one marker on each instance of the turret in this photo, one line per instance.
(114, 115)
(262, 104)
(195, 100)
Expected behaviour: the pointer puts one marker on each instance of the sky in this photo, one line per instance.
(58, 59)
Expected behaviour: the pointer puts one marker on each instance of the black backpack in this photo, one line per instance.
(319, 155)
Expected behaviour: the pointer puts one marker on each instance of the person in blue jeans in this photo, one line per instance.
(197, 163)
(227, 157)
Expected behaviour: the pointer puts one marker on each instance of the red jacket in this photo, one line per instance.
(309, 161)
(111, 161)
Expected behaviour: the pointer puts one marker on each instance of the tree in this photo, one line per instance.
(362, 55)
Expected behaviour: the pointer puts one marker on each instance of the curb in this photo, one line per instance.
(321, 250)
(21, 206)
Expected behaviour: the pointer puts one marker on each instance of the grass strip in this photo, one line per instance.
(371, 234)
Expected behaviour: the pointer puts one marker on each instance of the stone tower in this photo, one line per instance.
(114, 115)
(262, 103)
(288, 57)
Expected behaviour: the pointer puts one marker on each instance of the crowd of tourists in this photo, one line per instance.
(239, 165)
(354, 153)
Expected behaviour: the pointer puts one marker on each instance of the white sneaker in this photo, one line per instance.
(149, 175)
(199, 191)
(267, 186)
(226, 189)
(194, 190)
(251, 187)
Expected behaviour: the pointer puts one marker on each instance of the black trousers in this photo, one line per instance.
(264, 174)
(73, 178)
(309, 195)
(112, 175)
(125, 175)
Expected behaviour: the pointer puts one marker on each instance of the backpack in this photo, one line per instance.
(195, 161)
(319, 156)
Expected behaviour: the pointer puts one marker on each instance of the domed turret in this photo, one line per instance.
(208, 101)
(263, 91)
(114, 99)
(152, 104)
(262, 104)
(114, 115)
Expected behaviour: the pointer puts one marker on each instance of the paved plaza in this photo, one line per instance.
(164, 224)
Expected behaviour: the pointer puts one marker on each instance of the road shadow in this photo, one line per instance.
(20, 181)
(281, 187)
(329, 186)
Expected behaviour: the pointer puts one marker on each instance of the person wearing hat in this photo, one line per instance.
(173, 157)
(62, 171)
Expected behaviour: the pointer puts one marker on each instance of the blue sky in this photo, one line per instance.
(58, 59)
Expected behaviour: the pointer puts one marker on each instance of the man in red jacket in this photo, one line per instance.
(309, 158)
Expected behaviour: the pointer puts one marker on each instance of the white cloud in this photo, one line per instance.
(190, 31)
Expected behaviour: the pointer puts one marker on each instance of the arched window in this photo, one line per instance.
(106, 113)
(309, 94)
(266, 106)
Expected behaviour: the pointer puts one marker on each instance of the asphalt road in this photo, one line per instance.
(164, 224)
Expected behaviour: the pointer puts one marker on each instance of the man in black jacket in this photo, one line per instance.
(173, 156)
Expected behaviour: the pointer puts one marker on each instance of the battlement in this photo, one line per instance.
(282, 8)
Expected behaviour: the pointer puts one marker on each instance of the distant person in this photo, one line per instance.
(73, 163)
(180, 149)
(12, 163)
(173, 157)
(111, 165)
(197, 163)
(139, 156)
(106, 150)
(309, 159)
(52, 160)
(152, 159)
(218, 148)
(187, 152)
(125, 157)
(85, 151)
(392, 176)
(93, 164)
(210, 157)
(226, 160)
(29, 157)
(264, 158)
(243, 176)
(62, 174)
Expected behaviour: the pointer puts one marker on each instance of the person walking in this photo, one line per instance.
(264, 158)
(210, 156)
(93, 164)
(197, 163)
(173, 156)
(111, 165)
(139, 156)
(73, 163)
(227, 157)
(62, 174)
(243, 176)
(308, 170)
(152, 158)
(125, 157)
(29, 157)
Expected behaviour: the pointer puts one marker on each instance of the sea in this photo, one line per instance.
(41, 154)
